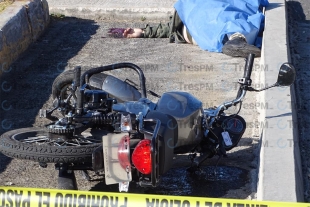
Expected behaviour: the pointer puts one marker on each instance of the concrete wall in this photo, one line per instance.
(20, 25)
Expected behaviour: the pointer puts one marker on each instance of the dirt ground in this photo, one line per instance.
(212, 77)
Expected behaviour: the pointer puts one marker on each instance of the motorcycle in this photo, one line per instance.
(109, 126)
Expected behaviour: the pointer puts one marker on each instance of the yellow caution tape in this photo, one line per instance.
(35, 197)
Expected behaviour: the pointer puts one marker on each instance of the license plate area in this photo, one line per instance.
(116, 155)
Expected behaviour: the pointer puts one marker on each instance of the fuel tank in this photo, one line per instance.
(187, 111)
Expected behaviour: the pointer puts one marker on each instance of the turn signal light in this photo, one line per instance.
(141, 157)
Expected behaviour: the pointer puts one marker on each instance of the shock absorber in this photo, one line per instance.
(102, 119)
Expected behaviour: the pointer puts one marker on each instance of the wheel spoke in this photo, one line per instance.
(77, 141)
(55, 143)
(36, 139)
(71, 143)
(44, 139)
(90, 139)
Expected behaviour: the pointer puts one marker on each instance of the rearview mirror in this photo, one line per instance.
(287, 75)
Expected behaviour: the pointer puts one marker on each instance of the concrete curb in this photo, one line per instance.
(20, 25)
(114, 10)
(132, 14)
(280, 173)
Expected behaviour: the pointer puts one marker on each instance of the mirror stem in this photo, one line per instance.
(258, 90)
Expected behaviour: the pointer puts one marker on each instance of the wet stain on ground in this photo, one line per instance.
(179, 182)
(204, 183)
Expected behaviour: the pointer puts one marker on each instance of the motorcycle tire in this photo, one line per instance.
(62, 82)
(11, 145)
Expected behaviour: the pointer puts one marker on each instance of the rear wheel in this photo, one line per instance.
(38, 145)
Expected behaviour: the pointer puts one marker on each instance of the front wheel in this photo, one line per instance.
(37, 145)
(62, 85)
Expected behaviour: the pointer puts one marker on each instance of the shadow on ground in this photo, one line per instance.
(296, 11)
(178, 182)
(26, 86)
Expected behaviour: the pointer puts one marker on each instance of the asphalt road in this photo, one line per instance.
(68, 42)
(299, 34)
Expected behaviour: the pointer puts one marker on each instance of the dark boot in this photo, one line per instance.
(238, 47)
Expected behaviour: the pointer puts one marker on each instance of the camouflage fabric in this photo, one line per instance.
(171, 30)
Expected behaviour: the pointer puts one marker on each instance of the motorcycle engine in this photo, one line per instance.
(95, 99)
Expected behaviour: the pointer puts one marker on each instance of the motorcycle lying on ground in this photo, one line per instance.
(109, 126)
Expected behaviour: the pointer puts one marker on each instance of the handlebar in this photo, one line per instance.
(245, 82)
(77, 76)
(248, 67)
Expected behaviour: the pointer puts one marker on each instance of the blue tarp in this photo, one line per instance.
(208, 21)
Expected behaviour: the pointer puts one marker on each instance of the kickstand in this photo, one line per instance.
(194, 167)
(85, 175)
(66, 179)
(217, 162)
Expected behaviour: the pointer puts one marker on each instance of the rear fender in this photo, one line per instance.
(168, 137)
